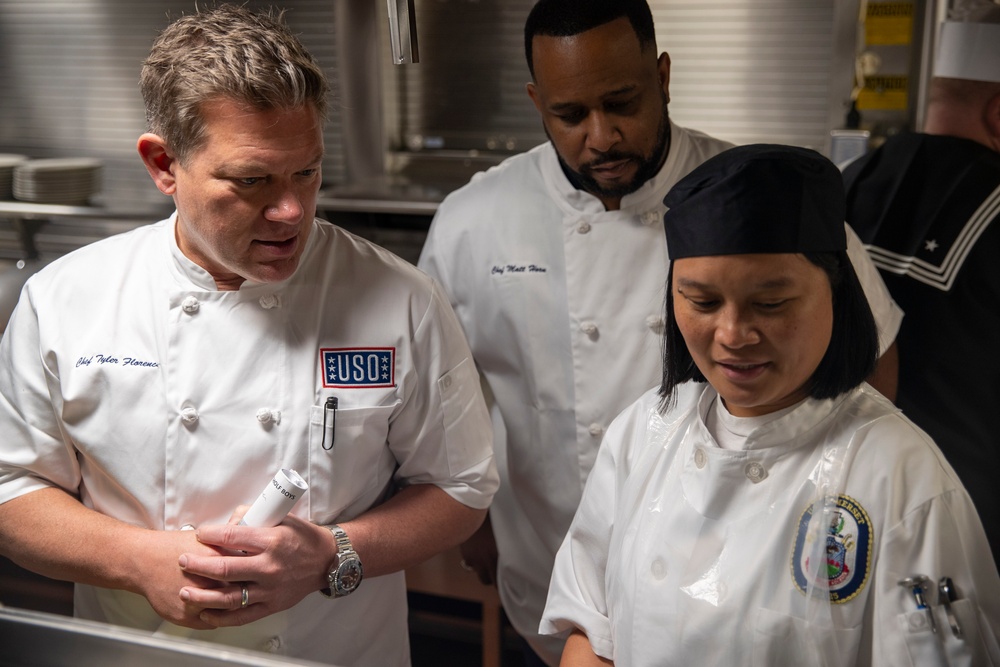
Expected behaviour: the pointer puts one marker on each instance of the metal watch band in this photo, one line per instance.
(347, 571)
(343, 542)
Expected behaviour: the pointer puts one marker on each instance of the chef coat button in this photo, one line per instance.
(190, 305)
(656, 323)
(658, 569)
(189, 415)
(917, 621)
(700, 458)
(447, 382)
(584, 228)
(269, 301)
(650, 218)
(272, 645)
(589, 328)
(755, 472)
(266, 416)
(596, 430)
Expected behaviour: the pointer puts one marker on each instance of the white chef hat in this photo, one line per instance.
(969, 48)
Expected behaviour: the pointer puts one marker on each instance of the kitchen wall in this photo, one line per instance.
(70, 73)
(744, 70)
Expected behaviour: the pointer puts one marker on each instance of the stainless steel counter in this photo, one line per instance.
(51, 640)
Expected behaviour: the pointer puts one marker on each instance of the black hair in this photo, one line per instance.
(565, 18)
(848, 361)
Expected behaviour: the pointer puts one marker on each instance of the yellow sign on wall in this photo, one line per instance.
(884, 93)
(889, 23)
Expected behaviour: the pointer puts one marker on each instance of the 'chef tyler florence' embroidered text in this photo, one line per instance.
(110, 359)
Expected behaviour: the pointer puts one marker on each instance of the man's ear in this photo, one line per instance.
(159, 162)
(992, 121)
(663, 69)
(533, 94)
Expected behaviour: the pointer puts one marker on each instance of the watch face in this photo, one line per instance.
(348, 575)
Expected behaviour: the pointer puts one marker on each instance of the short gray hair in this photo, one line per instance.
(226, 52)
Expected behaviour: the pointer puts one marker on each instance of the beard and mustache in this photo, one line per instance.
(648, 165)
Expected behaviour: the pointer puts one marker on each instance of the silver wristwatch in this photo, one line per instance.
(346, 572)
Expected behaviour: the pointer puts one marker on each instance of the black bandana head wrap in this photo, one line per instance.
(762, 198)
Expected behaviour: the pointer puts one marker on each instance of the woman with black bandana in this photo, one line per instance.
(764, 505)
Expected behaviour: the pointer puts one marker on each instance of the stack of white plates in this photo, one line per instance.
(57, 181)
(7, 163)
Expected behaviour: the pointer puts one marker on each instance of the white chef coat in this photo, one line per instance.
(165, 403)
(562, 303)
(684, 553)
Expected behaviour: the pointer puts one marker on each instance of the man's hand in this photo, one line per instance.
(163, 578)
(479, 553)
(50, 532)
(281, 566)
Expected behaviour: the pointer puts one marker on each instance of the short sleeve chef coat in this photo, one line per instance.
(684, 553)
(165, 403)
(562, 304)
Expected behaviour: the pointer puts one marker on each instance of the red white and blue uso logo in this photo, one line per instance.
(847, 550)
(358, 367)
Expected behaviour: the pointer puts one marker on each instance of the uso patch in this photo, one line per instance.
(848, 550)
(358, 367)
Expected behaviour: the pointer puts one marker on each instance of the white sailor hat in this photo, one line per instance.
(970, 49)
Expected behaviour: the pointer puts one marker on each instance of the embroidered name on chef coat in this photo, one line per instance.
(125, 361)
(517, 269)
(358, 367)
(848, 550)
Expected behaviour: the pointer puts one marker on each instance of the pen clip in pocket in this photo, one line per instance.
(329, 422)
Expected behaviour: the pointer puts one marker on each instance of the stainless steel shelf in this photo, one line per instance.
(372, 205)
(28, 230)
(29, 210)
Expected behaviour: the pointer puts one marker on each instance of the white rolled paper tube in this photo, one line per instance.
(276, 500)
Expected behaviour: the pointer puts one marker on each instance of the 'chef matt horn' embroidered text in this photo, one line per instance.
(501, 269)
